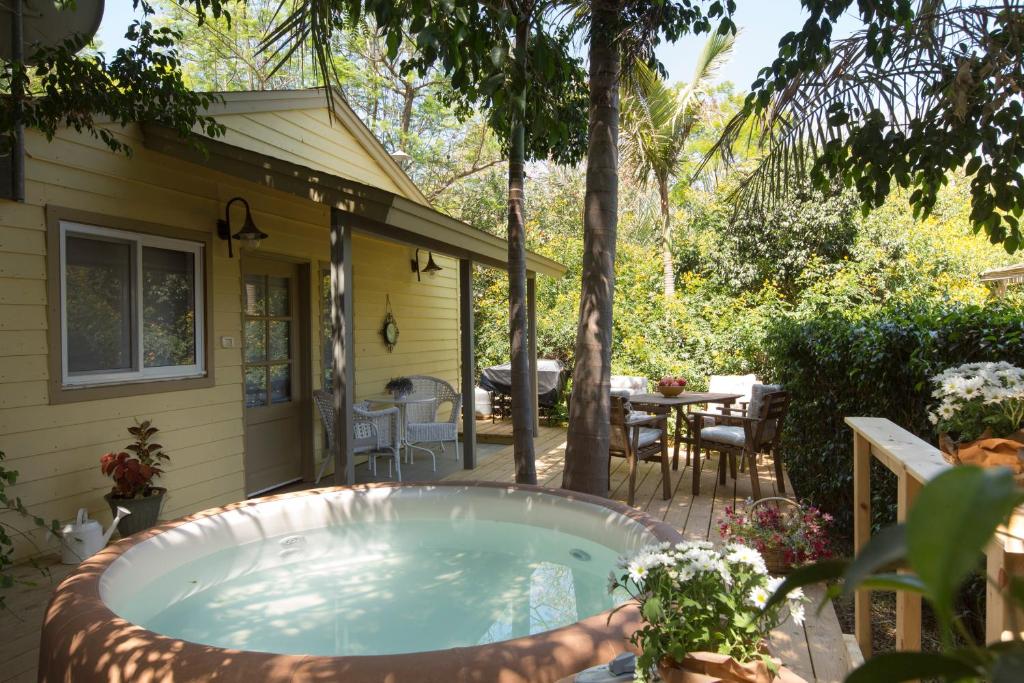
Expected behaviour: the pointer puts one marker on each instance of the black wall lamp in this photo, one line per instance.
(429, 269)
(249, 237)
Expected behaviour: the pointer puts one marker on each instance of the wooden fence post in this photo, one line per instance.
(908, 605)
(861, 535)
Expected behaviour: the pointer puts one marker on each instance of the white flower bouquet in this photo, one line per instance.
(979, 400)
(698, 599)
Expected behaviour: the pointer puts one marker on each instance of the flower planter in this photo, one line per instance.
(710, 667)
(145, 511)
(986, 452)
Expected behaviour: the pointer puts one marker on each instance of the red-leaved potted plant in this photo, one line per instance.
(133, 471)
(787, 535)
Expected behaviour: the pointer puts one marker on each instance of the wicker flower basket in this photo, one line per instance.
(775, 558)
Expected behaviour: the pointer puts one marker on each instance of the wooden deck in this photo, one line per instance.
(817, 651)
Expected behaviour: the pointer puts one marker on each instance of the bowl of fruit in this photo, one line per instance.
(671, 386)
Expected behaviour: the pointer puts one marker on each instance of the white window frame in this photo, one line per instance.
(137, 373)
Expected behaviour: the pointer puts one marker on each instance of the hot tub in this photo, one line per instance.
(442, 582)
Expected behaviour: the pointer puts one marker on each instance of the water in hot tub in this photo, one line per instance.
(380, 588)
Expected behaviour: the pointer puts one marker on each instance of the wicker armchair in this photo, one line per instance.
(374, 432)
(421, 422)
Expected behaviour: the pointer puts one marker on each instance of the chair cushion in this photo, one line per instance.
(648, 435)
(757, 395)
(730, 384)
(732, 436)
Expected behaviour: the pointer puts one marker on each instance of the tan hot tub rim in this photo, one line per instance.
(83, 641)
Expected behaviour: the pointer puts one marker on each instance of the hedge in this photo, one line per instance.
(874, 362)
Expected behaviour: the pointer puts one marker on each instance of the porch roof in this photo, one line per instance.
(371, 209)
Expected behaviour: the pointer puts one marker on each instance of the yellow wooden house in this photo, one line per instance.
(120, 301)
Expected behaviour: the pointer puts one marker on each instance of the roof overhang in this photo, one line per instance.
(370, 209)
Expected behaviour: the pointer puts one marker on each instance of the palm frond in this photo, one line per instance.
(813, 113)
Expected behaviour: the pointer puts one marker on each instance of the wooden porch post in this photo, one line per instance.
(342, 380)
(468, 370)
(531, 326)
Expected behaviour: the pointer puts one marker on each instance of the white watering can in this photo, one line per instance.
(84, 537)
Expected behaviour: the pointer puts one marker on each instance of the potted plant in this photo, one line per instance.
(979, 415)
(399, 387)
(133, 471)
(787, 536)
(705, 612)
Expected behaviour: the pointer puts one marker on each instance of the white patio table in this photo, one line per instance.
(401, 403)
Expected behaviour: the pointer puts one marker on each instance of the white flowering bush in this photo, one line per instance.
(976, 398)
(695, 598)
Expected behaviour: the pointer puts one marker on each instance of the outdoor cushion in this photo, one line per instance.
(647, 436)
(731, 384)
(732, 436)
(628, 385)
(757, 394)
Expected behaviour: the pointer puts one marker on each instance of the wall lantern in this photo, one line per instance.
(249, 237)
(429, 269)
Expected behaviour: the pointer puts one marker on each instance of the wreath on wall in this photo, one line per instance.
(389, 328)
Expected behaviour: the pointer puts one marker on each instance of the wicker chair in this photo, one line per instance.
(744, 435)
(374, 432)
(421, 423)
(637, 437)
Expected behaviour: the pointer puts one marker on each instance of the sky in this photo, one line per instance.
(762, 23)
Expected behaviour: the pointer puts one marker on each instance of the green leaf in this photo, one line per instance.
(892, 667)
(950, 523)
(885, 548)
(894, 582)
(1008, 666)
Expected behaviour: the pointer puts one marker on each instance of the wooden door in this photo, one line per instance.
(272, 368)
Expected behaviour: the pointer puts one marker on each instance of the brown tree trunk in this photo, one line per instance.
(522, 401)
(586, 454)
(669, 271)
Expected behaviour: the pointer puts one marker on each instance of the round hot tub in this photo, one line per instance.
(395, 582)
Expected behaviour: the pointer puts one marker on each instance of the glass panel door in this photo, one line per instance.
(268, 346)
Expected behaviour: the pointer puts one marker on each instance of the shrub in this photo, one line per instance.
(874, 362)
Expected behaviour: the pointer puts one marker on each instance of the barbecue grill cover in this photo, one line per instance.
(551, 378)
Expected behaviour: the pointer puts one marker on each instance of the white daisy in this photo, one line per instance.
(758, 597)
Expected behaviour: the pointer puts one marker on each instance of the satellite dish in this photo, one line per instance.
(47, 24)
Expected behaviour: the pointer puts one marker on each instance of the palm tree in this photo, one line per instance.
(586, 452)
(657, 120)
(620, 32)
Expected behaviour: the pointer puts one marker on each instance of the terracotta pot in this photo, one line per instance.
(710, 667)
(145, 511)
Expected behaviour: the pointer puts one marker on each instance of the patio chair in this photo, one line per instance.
(638, 437)
(374, 432)
(746, 434)
(730, 384)
(421, 419)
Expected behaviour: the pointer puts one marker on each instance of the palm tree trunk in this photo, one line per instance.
(522, 401)
(586, 454)
(667, 263)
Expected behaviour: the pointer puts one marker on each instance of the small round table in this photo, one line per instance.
(401, 402)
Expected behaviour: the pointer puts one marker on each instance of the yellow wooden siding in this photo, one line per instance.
(307, 137)
(56, 448)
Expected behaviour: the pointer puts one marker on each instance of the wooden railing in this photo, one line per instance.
(915, 462)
